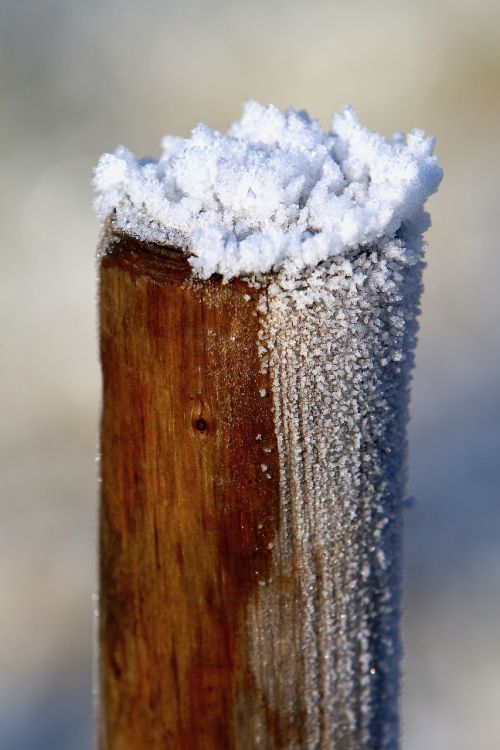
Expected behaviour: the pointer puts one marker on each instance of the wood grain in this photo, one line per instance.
(188, 513)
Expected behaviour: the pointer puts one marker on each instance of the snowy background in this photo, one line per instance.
(79, 78)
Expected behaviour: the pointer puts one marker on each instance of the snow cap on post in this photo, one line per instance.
(274, 191)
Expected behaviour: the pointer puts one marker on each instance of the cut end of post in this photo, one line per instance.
(256, 386)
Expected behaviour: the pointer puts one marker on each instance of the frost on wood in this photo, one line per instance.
(275, 188)
(341, 346)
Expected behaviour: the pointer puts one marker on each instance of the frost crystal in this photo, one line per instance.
(341, 339)
(274, 189)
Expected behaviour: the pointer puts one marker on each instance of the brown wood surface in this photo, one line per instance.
(187, 511)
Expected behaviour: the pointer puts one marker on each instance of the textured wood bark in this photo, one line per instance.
(187, 511)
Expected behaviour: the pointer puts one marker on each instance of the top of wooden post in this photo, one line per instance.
(274, 192)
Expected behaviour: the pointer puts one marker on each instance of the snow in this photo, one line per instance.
(274, 190)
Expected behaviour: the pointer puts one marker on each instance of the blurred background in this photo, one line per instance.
(79, 78)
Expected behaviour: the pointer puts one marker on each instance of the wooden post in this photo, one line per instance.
(243, 603)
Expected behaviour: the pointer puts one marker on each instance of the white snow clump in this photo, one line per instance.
(274, 191)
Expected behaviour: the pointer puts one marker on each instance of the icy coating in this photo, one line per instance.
(274, 190)
(339, 346)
